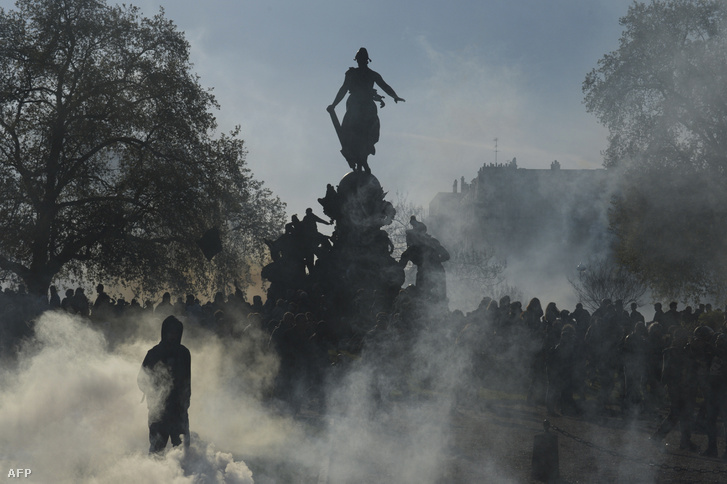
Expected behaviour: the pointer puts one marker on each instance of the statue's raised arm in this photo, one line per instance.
(387, 89)
(359, 131)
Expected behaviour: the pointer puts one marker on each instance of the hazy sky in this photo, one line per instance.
(470, 71)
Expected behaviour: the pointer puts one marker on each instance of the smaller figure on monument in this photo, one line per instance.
(427, 254)
(331, 203)
(359, 130)
(313, 238)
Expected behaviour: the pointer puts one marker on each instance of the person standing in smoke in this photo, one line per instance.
(603, 342)
(671, 318)
(55, 300)
(658, 314)
(165, 379)
(635, 355)
(165, 307)
(679, 376)
(635, 316)
(103, 305)
(716, 396)
(534, 356)
(560, 366)
(67, 303)
(80, 303)
(656, 344)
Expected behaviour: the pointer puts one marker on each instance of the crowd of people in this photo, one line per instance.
(612, 361)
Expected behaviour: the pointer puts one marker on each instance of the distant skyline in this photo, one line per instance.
(470, 72)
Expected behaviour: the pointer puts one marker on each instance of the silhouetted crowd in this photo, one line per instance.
(613, 361)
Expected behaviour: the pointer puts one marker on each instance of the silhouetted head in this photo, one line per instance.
(703, 333)
(534, 305)
(654, 329)
(362, 56)
(172, 329)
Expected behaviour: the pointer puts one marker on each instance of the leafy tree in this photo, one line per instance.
(661, 95)
(110, 168)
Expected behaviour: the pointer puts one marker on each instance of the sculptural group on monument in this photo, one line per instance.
(357, 256)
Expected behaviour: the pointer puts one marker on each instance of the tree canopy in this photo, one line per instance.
(110, 165)
(662, 96)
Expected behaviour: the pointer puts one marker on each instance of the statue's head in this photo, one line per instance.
(362, 56)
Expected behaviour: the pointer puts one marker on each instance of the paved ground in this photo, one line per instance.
(497, 440)
(492, 441)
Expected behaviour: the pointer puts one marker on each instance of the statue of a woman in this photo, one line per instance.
(360, 128)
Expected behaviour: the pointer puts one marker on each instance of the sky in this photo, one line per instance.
(470, 71)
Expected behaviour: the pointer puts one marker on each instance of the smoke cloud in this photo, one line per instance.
(71, 411)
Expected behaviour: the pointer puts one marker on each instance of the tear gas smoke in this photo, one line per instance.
(71, 410)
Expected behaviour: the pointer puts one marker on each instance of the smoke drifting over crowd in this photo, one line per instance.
(376, 395)
(72, 412)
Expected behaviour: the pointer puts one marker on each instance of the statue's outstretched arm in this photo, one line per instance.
(339, 95)
(387, 88)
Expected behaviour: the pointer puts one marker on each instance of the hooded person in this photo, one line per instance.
(165, 379)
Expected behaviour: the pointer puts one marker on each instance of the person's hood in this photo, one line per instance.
(172, 329)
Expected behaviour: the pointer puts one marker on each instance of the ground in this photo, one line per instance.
(492, 441)
(605, 449)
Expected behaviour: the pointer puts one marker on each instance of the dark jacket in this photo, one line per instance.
(165, 376)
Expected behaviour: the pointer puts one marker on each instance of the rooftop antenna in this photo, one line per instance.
(495, 151)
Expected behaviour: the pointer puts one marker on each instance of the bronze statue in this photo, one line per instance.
(359, 131)
(427, 254)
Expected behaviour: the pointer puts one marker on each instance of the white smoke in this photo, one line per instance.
(71, 412)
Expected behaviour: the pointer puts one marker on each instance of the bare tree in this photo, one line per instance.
(405, 209)
(473, 273)
(603, 279)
